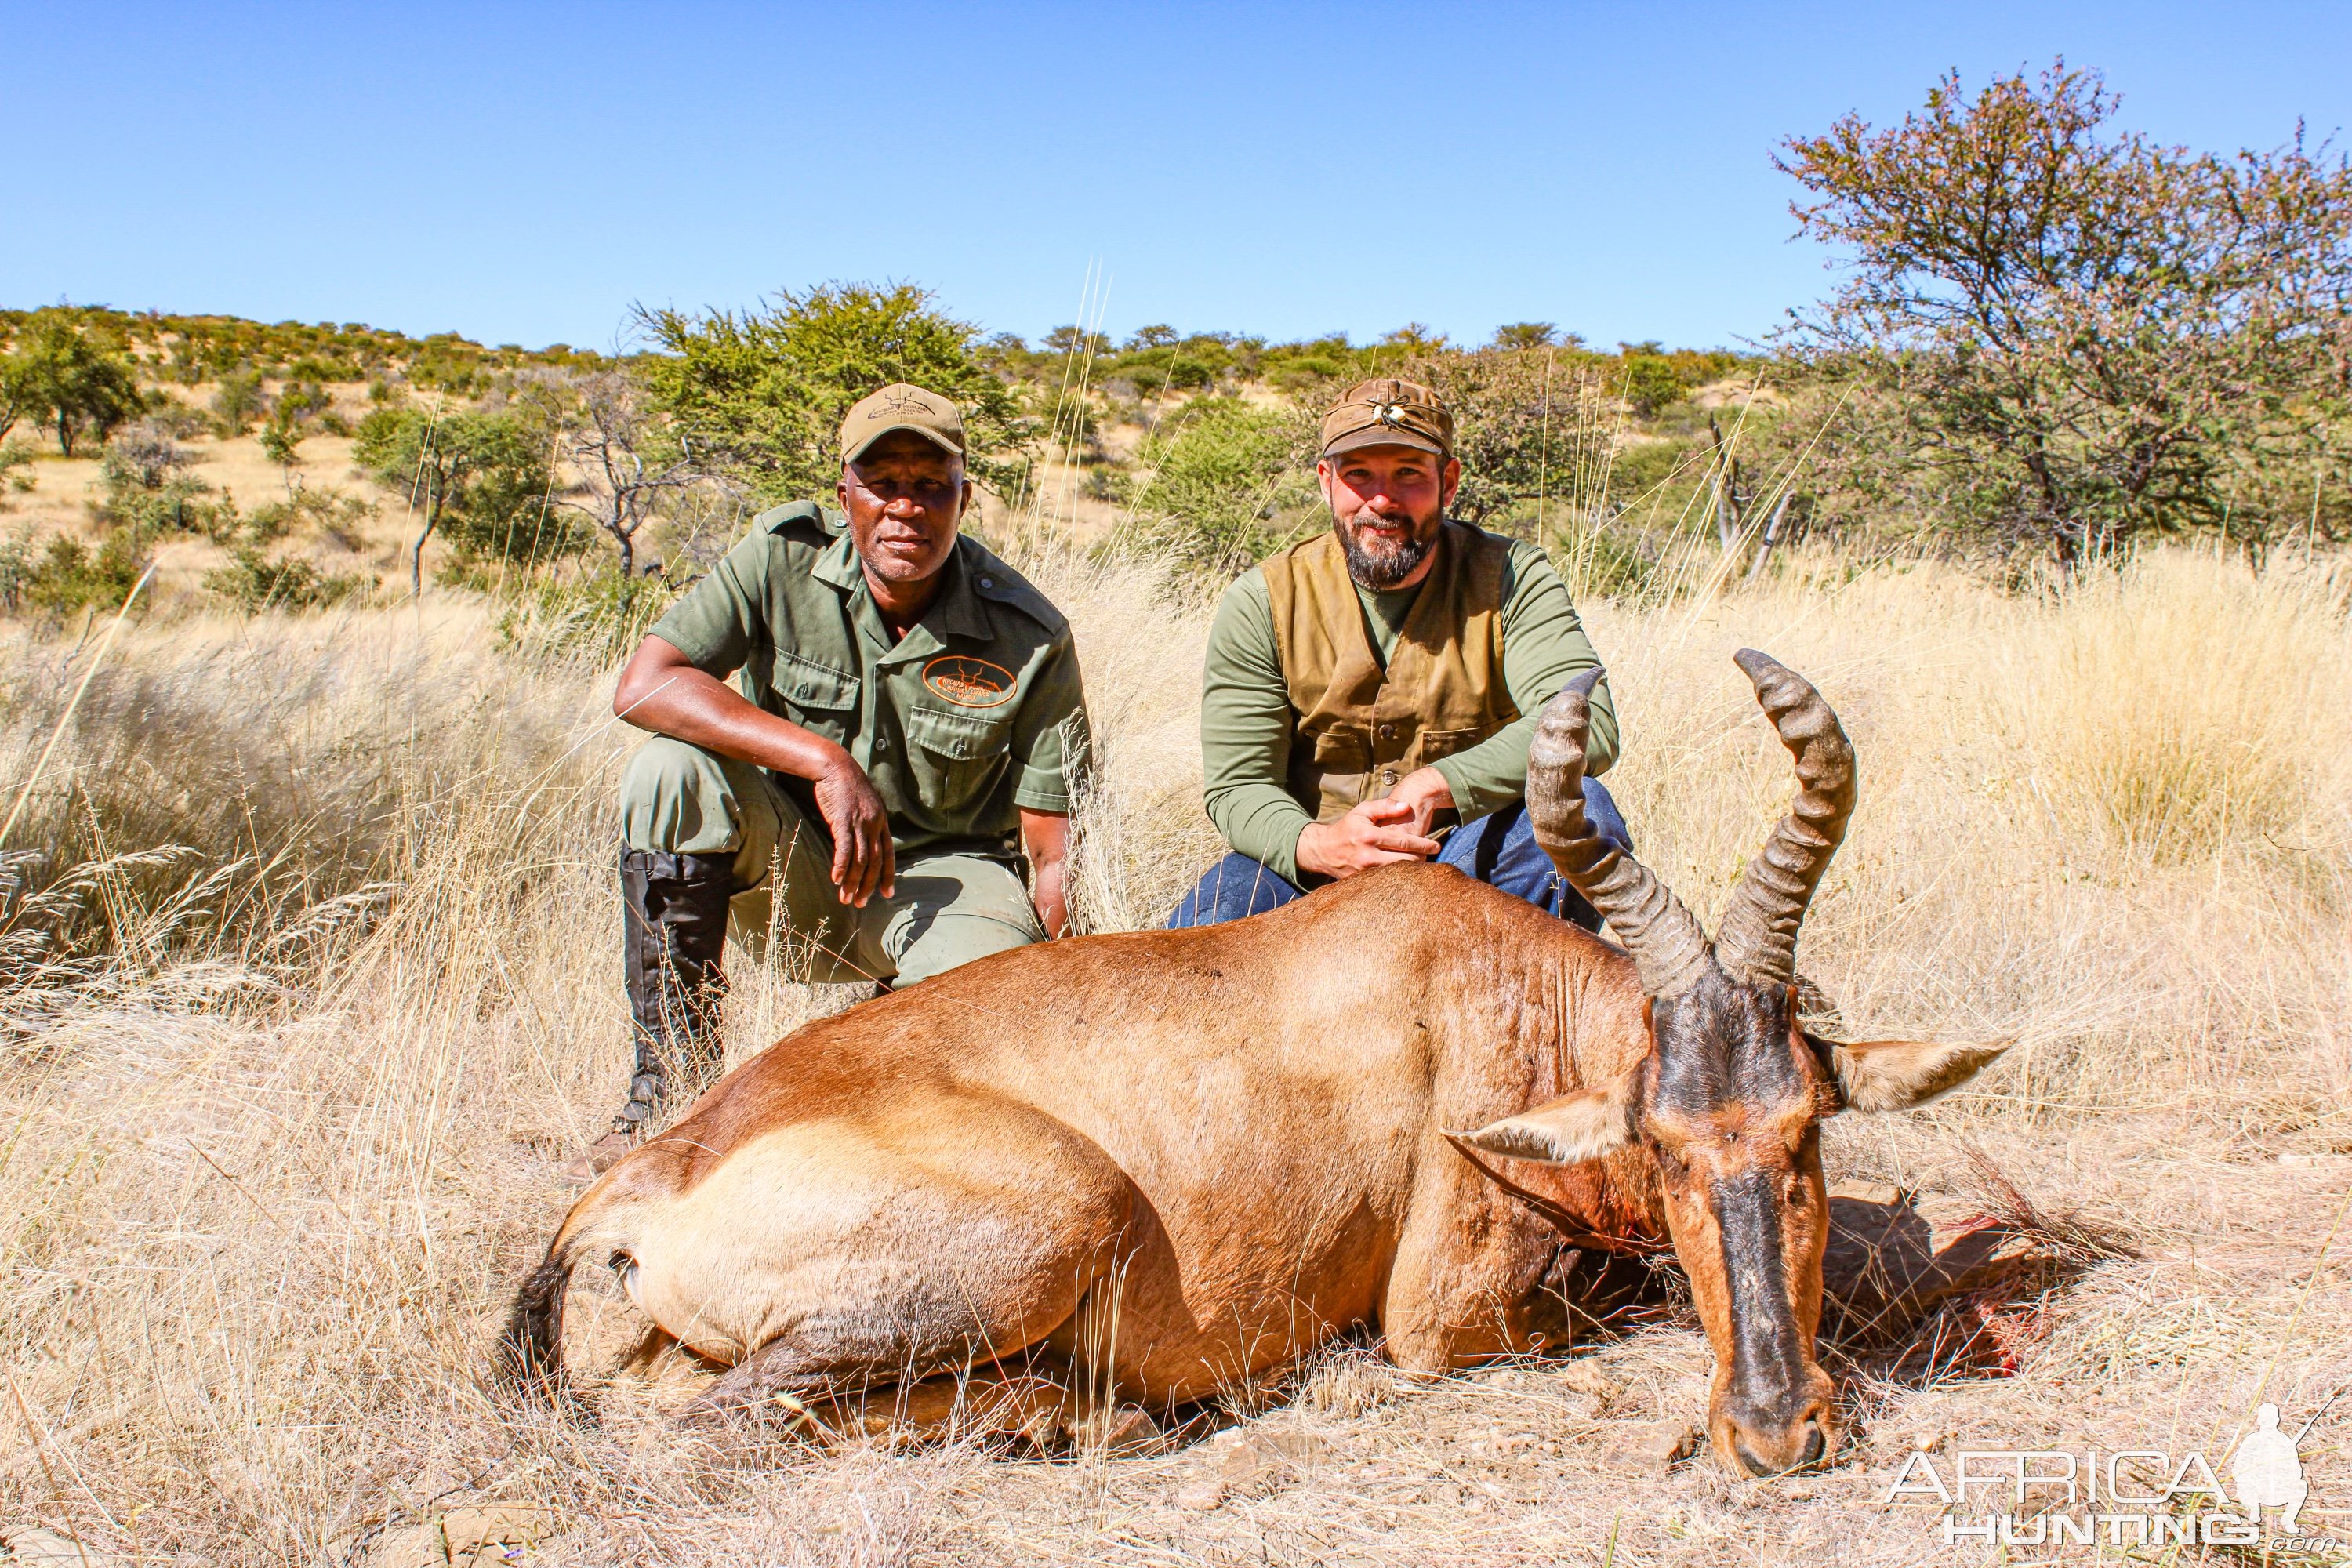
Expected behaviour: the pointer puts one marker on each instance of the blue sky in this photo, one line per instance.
(522, 174)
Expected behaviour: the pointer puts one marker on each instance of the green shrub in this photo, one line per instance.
(68, 575)
(180, 504)
(314, 368)
(1226, 484)
(1649, 385)
(254, 582)
(301, 400)
(482, 480)
(15, 566)
(176, 419)
(281, 438)
(336, 516)
(237, 403)
(761, 394)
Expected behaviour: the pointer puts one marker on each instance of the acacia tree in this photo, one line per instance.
(761, 394)
(64, 373)
(2071, 336)
(16, 390)
(626, 465)
(1526, 335)
(481, 472)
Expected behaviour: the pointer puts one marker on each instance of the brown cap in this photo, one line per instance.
(1389, 412)
(899, 407)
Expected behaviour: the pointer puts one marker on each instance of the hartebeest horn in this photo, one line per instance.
(1755, 941)
(1668, 947)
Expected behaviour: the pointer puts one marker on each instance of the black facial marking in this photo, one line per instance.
(1768, 1356)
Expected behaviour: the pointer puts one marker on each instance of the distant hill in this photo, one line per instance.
(194, 349)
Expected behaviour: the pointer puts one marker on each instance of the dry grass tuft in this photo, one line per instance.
(275, 1147)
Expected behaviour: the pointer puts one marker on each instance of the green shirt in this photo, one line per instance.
(977, 712)
(1247, 724)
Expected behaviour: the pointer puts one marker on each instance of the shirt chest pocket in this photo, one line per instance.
(823, 699)
(956, 757)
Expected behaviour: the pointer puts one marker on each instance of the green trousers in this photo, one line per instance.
(946, 910)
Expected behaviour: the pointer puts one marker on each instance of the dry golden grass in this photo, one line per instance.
(267, 1181)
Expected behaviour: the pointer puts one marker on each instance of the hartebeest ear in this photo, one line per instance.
(1900, 1075)
(1564, 1131)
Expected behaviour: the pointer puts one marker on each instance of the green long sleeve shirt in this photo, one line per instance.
(1247, 725)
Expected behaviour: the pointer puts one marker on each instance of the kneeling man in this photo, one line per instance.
(908, 717)
(1370, 694)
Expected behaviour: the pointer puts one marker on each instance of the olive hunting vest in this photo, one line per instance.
(1359, 729)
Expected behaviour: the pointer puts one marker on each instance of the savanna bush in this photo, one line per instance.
(759, 395)
(335, 515)
(252, 581)
(1224, 484)
(237, 402)
(66, 575)
(142, 453)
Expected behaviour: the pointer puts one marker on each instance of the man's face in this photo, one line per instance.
(1387, 502)
(904, 496)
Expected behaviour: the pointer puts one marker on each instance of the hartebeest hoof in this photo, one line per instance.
(602, 1156)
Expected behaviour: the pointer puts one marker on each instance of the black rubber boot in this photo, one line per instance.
(675, 909)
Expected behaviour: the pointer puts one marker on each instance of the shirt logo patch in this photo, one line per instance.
(968, 683)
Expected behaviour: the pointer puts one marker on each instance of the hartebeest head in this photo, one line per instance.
(1728, 1099)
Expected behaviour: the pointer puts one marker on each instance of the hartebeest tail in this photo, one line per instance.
(530, 1354)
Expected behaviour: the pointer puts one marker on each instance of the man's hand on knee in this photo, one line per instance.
(863, 863)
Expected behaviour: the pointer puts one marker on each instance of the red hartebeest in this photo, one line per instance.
(1174, 1159)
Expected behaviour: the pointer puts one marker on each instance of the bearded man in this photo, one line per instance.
(1370, 694)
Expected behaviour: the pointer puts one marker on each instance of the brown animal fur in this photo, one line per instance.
(1159, 1163)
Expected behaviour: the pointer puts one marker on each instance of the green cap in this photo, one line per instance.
(899, 407)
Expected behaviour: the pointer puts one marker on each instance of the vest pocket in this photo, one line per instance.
(956, 757)
(1332, 778)
(1436, 744)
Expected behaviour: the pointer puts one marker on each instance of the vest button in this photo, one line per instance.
(1388, 732)
(1388, 776)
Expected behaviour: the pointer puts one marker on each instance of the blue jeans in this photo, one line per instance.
(1499, 849)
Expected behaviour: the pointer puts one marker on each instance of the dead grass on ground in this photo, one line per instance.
(268, 1176)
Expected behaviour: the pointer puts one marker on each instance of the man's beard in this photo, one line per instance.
(1381, 565)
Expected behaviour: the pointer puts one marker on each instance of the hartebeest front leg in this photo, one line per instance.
(1465, 1286)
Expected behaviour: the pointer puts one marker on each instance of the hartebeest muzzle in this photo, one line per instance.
(1727, 1102)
